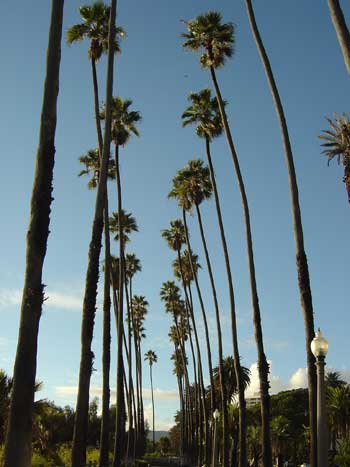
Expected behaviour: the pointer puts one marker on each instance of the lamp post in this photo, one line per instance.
(215, 459)
(319, 347)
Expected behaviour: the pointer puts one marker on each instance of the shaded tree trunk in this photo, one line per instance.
(153, 438)
(89, 305)
(301, 259)
(18, 445)
(106, 347)
(242, 406)
(106, 350)
(217, 318)
(210, 365)
(120, 402)
(263, 366)
(341, 29)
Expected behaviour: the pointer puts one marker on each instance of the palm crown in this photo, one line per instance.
(91, 161)
(132, 265)
(175, 236)
(128, 222)
(208, 33)
(338, 144)
(203, 111)
(151, 357)
(95, 28)
(123, 120)
(186, 267)
(191, 185)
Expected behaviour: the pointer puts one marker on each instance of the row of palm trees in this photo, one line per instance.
(215, 40)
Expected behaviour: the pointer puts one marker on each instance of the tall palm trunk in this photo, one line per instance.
(89, 306)
(131, 419)
(195, 417)
(263, 366)
(217, 317)
(242, 405)
(188, 413)
(106, 346)
(151, 378)
(198, 351)
(117, 458)
(210, 365)
(18, 447)
(301, 259)
(341, 29)
(204, 315)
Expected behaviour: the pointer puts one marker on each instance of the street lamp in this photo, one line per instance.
(215, 459)
(319, 347)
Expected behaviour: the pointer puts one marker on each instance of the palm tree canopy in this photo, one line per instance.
(151, 357)
(207, 32)
(91, 161)
(337, 139)
(175, 236)
(95, 28)
(129, 224)
(139, 311)
(124, 120)
(114, 270)
(333, 379)
(191, 185)
(229, 376)
(178, 363)
(205, 113)
(186, 267)
(132, 265)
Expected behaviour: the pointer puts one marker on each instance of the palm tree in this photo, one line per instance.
(205, 114)
(338, 145)
(208, 33)
(18, 448)
(176, 237)
(139, 312)
(230, 381)
(123, 125)
(151, 357)
(191, 186)
(301, 258)
(129, 225)
(89, 306)
(91, 160)
(95, 28)
(334, 379)
(132, 266)
(341, 29)
(185, 270)
(170, 295)
(188, 190)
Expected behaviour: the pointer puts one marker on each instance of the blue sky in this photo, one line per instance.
(157, 75)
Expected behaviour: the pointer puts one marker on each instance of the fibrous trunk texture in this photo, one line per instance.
(18, 445)
(89, 305)
(301, 259)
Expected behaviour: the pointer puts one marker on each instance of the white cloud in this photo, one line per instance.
(159, 394)
(53, 299)
(298, 379)
(10, 297)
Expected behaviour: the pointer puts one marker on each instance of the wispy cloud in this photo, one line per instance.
(159, 394)
(62, 299)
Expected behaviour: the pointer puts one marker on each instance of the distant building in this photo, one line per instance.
(254, 400)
